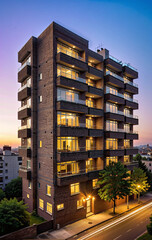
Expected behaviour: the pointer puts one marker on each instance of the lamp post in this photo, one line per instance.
(138, 193)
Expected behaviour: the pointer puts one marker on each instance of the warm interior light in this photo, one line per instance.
(93, 198)
(83, 199)
(72, 65)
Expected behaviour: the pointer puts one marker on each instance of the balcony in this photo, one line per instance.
(25, 173)
(76, 106)
(94, 73)
(68, 81)
(131, 151)
(118, 133)
(114, 79)
(130, 165)
(93, 152)
(73, 131)
(93, 132)
(24, 71)
(24, 92)
(131, 87)
(132, 119)
(114, 98)
(95, 111)
(95, 91)
(113, 63)
(24, 112)
(115, 152)
(71, 62)
(24, 132)
(130, 71)
(24, 151)
(131, 103)
(131, 135)
(117, 115)
(65, 156)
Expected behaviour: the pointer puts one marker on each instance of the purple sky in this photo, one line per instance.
(123, 27)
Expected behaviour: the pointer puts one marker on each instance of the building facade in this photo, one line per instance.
(76, 116)
(9, 166)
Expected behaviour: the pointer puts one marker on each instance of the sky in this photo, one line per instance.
(123, 27)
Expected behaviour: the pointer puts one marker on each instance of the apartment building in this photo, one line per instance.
(9, 166)
(76, 116)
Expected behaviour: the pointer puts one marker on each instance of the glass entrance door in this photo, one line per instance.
(88, 206)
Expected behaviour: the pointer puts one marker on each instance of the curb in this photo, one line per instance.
(108, 219)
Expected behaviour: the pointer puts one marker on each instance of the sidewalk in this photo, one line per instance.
(86, 223)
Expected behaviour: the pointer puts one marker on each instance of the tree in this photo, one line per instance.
(14, 188)
(115, 183)
(2, 194)
(137, 157)
(149, 226)
(139, 182)
(13, 216)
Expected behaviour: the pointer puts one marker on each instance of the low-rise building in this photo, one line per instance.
(148, 163)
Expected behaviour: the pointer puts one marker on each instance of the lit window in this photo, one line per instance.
(41, 203)
(79, 204)
(49, 208)
(28, 196)
(67, 72)
(110, 107)
(126, 143)
(29, 185)
(111, 159)
(89, 165)
(126, 158)
(60, 206)
(67, 119)
(75, 188)
(66, 168)
(48, 190)
(67, 144)
(111, 143)
(90, 123)
(94, 184)
(40, 144)
(90, 144)
(40, 99)
(40, 76)
(28, 164)
(90, 102)
(111, 126)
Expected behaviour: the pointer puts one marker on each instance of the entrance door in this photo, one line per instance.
(88, 206)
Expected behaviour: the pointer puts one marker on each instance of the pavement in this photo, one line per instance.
(82, 225)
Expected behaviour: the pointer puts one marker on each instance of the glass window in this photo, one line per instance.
(111, 159)
(40, 144)
(89, 165)
(127, 128)
(111, 125)
(67, 50)
(90, 102)
(90, 123)
(126, 143)
(68, 95)
(67, 72)
(49, 208)
(28, 142)
(75, 188)
(91, 82)
(40, 76)
(79, 204)
(67, 144)
(90, 144)
(67, 168)
(67, 119)
(60, 206)
(111, 90)
(28, 163)
(126, 112)
(40, 99)
(126, 159)
(94, 184)
(41, 203)
(48, 190)
(29, 184)
(127, 96)
(110, 107)
(28, 196)
(111, 143)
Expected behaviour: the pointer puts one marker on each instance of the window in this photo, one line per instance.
(67, 72)
(150, 164)
(28, 196)
(67, 50)
(126, 143)
(29, 184)
(90, 102)
(127, 128)
(126, 159)
(126, 112)
(67, 168)
(29, 164)
(94, 184)
(75, 188)
(111, 143)
(1, 171)
(111, 159)
(68, 95)
(40, 76)
(91, 82)
(6, 171)
(41, 204)
(39, 165)
(79, 204)
(67, 119)
(40, 99)
(110, 107)
(28, 142)
(89, 165)
(48, 190)
(60, 206)
(90, 144)
(6, 177)
(67, 144)
(127, 96)
(111, 125)
(49, 208)
(6, 164)
(111, 90)
(39, 185)
(90, 123)
(40, 144)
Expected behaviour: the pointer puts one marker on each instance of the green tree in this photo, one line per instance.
(14, 188)
(2, 194)
(114, 182)
(137, 157)
(145, 169)
(13, 216)
(149, 226)
(139, 182)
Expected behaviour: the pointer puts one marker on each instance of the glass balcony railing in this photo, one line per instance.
(115, 59)
(69, 53)
(128, 65)
(68, 150)
(114, 75)
(25, 64)
(115, 111)
(116, 148)
(68, 75)
(130, 83)
(115, 94)
(131, 115)
(132, 132)
(83, 125)
(25, 86)
(24, 107)
(78, 101)
(131, 99)
(115, 130)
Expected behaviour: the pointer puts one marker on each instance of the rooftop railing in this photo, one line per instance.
(25, 64)
(115, 59)
(114, 75)
(68, 75)
(115, 130)
(128, 65)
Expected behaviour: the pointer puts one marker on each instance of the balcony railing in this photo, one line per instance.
(94, 127)
(130, 83)
(115, 59)
(116, 111)
(24, 127)
(24, 147)
(83, 125)
(114, 75)
(128, 65)
(131, 115)
(70, 53)
(79, 149)
(25, 64)
(115, 130)
(71, 76)
(130, 147)
(131, 132)
(115, 149)
(23, 87)
(83, 102)
(115, 94)
(131, 99)
(24, 107)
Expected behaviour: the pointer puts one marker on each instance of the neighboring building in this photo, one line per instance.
(76, 116)
(9, 166)
(148, 163)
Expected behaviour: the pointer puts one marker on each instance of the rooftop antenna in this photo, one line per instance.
(99, 47)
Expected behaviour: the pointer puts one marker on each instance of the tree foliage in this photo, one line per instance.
(2, 194)
(115, 183)
(149, 226)
(14, 188)
(13, 216)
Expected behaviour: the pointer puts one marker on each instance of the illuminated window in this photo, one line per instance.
(29, 102)
(69, 96)
(126, 143)
(90, 102)
(40, 76)
(41, 204)
(40, 144)
(40, 99)
(127, 96)
(48, 190)
(127, 128)
(49, 208)
(111, 159)
(28, 196)
(89, 165)
(91, 82)
(67, 72)
(110, 107)
(126, 159)
(111, 125)
(60, 206)
(111, 143)
(67, 119)
(29, 185)
(94, 184)
(67, 168)
(28, 163)
(111, 90)
(90, 144)
(90, 123)
(67, 144)
(79, 204)
(28, 142)
(75, 188)
(126, 112)
(67, 50)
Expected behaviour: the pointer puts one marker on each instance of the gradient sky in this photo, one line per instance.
(123, 27)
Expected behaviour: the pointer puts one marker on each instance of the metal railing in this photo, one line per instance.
(130, 83)
(83, 102)
(115, 94)
(22, 66)
(70, 53)
(128, 65)
(115, 59)
(131, 99)
(71, 76)
(114, 75)
(24, 107)
(23, 87)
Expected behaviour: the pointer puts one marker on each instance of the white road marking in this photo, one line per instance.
(129, 230)
(117, 237)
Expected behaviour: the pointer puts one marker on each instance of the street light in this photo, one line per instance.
(138, 193)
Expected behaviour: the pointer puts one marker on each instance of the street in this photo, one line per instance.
(128, 227)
